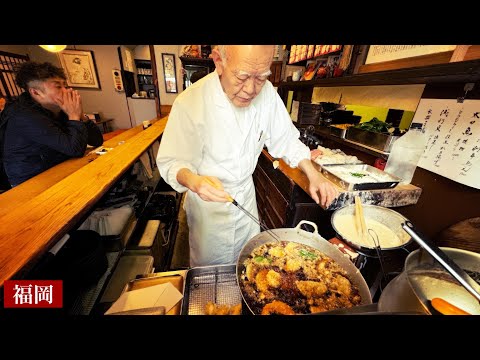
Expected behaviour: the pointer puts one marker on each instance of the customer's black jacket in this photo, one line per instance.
(35, 139)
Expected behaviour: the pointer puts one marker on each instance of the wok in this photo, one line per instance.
(312, 239)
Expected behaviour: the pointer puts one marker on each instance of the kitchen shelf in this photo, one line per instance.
(462, 71)
(324, 132)
(314, 58)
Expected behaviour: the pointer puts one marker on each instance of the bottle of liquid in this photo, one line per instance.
(405, 154)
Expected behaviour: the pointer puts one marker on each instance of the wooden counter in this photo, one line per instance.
(401, 195)
(40, 211)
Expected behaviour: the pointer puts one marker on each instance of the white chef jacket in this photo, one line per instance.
(208, 135)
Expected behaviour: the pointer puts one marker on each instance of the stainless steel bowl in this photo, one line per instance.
(424, 279)
(388, 217)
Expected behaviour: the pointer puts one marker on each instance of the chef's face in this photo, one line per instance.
(244, 72)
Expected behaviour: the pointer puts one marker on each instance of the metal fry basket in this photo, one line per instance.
(217, 284)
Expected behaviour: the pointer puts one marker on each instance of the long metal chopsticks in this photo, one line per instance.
(234, 202)
(262, 225)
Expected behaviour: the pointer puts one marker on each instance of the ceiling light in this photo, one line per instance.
(53, 48)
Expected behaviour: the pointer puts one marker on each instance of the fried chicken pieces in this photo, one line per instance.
(216, 309)
(289, 278)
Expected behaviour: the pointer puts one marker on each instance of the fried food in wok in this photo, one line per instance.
(291, 278)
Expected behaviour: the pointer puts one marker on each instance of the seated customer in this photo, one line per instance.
(45, 125)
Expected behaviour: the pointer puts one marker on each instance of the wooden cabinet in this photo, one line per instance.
(145, 77)
(276, 70)
(198, 66)
(272, 205)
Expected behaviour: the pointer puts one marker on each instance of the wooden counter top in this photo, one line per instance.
(401, 195)
(39, 212)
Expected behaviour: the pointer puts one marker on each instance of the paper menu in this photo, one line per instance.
(452, 130)
(159, 295)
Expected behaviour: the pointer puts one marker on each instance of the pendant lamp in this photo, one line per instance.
(53, 48)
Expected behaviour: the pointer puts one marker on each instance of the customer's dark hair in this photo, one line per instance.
(32, 71)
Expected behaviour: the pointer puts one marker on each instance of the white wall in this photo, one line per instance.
(107, 101)
(142, 52)
(141, 110)
(168, 99)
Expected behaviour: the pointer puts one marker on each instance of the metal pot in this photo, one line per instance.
(388, 217)
(423, 279)
(312, 239)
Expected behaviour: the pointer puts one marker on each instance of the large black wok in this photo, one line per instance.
(312, 239)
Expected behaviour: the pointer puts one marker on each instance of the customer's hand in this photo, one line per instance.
(71, 104)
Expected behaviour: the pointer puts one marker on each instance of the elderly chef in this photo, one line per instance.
(215, 133)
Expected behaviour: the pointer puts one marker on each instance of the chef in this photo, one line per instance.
(215, 133)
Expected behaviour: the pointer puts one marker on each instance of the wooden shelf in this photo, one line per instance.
(315, 58)
(463, 71)
(196, 61)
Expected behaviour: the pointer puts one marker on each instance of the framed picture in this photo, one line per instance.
(80, 69)
(169, 72)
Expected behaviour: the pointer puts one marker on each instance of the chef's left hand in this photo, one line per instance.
(327, 191)
(315, 153)
(318, 184)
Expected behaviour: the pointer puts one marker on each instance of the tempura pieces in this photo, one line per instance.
(215, 309)
(288, 278)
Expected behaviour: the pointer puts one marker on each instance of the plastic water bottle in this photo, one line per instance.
(405, 154)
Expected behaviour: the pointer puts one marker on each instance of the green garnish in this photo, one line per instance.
(262, 260)
(359, 175)
(307, 254)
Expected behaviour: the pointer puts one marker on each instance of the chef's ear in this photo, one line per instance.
(217, 59)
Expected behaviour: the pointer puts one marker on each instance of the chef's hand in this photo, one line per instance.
(209, 188)
(315, 153)
(318, 184)
(327, 190)
(71, 104)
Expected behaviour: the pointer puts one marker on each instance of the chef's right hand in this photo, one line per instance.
(209, 188)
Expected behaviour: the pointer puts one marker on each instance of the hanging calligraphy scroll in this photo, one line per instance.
(452, 130)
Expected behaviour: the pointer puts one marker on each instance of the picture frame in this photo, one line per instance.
(80, 68)
(169, 72)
